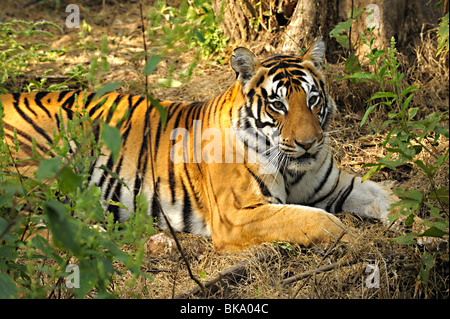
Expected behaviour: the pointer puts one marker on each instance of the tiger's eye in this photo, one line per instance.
(313, 100)
(278, 104)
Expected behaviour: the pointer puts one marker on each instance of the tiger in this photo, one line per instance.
(251, 165)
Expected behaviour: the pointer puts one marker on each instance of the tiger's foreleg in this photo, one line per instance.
(351, 194)
(275, 222)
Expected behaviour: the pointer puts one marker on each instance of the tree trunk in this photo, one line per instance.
(296, 23)
(401, 19)
(246, 20)
(309, 20)
(238, 16)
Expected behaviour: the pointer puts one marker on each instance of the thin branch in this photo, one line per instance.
(239, 269)
(152, 166)
(327, 253)
(309, 273)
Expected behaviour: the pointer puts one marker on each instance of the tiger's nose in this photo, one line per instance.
(305, 145)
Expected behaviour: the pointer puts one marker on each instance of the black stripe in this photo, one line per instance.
(30, 121)
(68, 104)
(336, 183)
(155, 207)
(187, 210)
(62, 94)
(171, 172)
(340, 198)
(157, 139)
(87, 97)
(297, 179)
(27, 105)
(113, 181)
(192, 187)
(280, 76)
(109, 165)
(39, 97)
(116, 197)
(133, 107)
(197, 148)
(297, 72)
(113, 106)
(24, 135)
(264, 190)
(98, 104)
(25, 147)
(260, 80)
(143, 158)
(325, 178)
(338, 207)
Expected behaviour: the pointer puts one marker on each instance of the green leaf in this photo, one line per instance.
(7, 235)
(42, 244)
(363, 76)
(169, 83)
(110, 87)
(8, 289)
(411, 194)
(427, 264)
(152, 63)
(69, 181)
(64, 228)
(352, 64)
(161, 110)
(423, 166)
(393, 217)
(366, 115)
(8, 252)
(407, 239)
(412, 112)
(434, 211)
(111, 136)
(409, 89)
(433, 231)
(380, 95)
(441, 194)
(48, 168)
(372, 171)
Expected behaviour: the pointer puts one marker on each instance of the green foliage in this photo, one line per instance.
(341, 32)
(191, 27)
(58, 198)
(412, 137)
(443, 35)
(16, 53)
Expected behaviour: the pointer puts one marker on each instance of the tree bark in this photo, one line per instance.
(296, 23)
(401, 19)
(237, 18)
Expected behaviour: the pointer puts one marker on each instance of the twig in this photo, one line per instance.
(325, 268)
(239, 269)
(327, 253)
(152, 164)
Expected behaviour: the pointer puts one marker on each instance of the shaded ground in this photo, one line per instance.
(266, 269)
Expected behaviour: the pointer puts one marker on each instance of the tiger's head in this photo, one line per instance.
(287, 107)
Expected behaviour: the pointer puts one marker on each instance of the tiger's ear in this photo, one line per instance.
(245, 64)
(316, 52)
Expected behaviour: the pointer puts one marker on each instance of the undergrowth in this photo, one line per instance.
(412, 139)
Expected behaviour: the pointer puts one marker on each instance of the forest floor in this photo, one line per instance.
(272, 270)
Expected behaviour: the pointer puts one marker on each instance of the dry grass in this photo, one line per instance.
(282, 270)
(263, 277)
